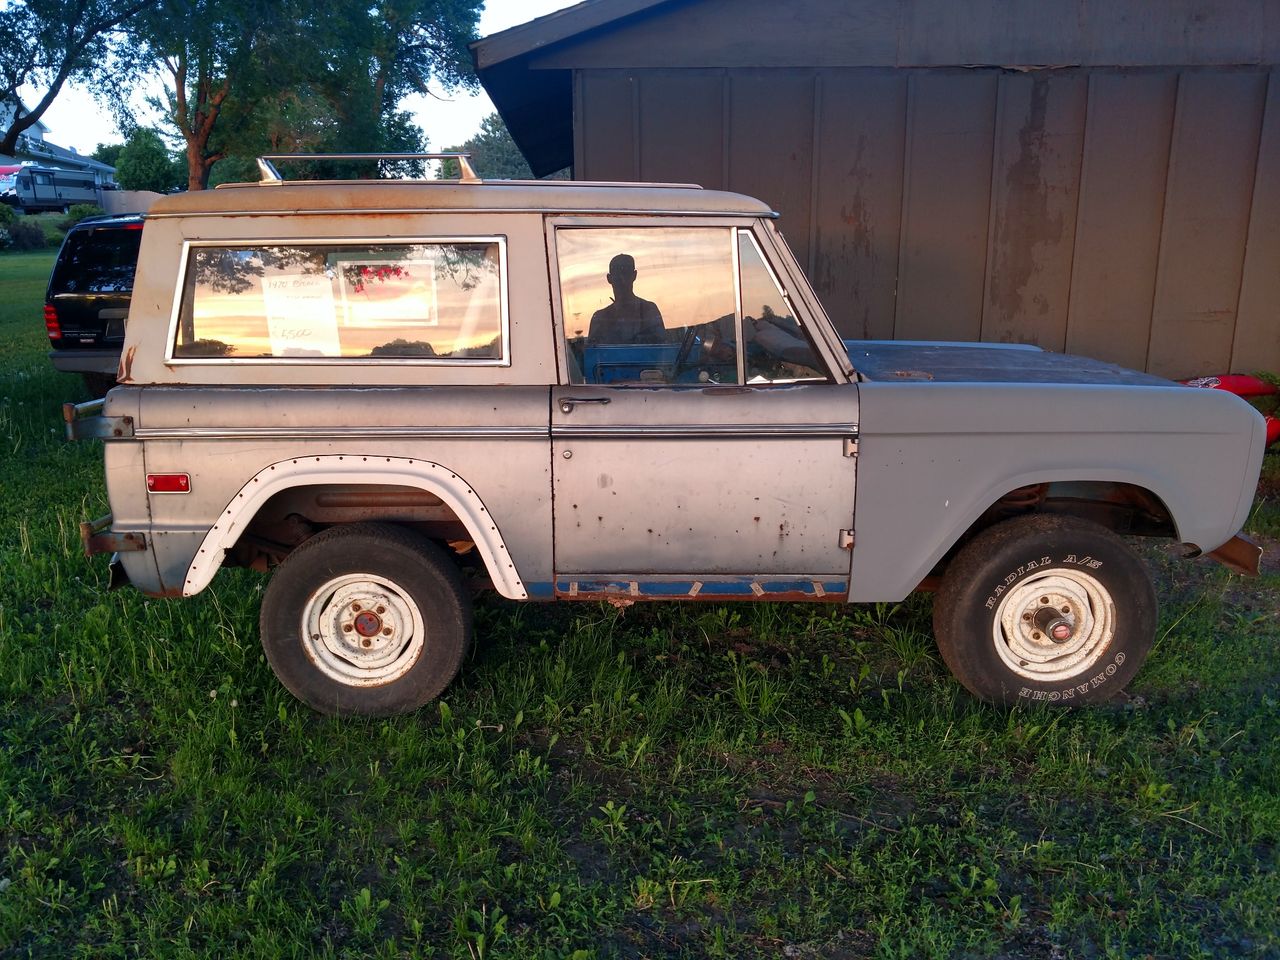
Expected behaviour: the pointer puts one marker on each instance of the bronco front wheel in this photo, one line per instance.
(1045, 609)
(366, 618)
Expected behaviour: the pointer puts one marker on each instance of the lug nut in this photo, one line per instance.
(1026, 616)
(355, 605)
(1044, 600)
(381, 609)
(1066, 609)
(366, 642)
(347, 628)
(386, 631)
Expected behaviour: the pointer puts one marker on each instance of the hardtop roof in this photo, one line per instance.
(352, 196)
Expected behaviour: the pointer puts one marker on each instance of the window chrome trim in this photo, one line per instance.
(504, 298)
(732, 431)
(341, 433)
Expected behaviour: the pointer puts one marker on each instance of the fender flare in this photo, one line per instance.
(425, 475)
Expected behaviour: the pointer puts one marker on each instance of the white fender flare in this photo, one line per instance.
(440, 481)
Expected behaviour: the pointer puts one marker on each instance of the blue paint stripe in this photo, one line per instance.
(680, 589)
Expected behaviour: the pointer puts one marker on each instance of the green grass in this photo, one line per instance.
(668, 781)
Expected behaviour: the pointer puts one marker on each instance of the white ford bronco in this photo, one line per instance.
(585, 391)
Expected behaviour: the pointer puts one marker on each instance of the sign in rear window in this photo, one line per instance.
(425, 301)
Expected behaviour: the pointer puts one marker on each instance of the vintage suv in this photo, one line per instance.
(585, 391)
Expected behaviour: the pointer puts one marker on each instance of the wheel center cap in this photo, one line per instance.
(368, 624)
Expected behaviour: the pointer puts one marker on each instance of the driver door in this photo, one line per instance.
(709, 456)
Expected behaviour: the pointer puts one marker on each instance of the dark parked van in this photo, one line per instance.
(88, 298)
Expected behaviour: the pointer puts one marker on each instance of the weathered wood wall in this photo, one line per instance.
(1131, 214)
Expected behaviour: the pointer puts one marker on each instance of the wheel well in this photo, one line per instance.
(293, 516)
(1124, 508)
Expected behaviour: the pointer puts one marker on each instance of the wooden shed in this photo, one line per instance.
(1096, 177)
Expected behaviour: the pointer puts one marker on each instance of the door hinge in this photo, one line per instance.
(846, 539)
(850, 446)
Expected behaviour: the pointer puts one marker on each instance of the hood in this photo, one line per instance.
(924, 361)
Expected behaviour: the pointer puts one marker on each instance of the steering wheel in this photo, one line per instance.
(686, 349)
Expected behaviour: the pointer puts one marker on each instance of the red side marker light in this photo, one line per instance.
(51, 324)
(169, 482)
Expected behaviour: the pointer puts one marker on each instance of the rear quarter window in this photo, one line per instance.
(97, 261)
(424, 300)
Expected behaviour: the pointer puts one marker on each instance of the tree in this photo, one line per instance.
(44, 43)
(211, 55)
(494, 155)
(107, 153)
(145, 163)
(243, 77)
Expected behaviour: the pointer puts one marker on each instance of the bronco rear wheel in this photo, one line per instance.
(1045, 609)
(366, 618)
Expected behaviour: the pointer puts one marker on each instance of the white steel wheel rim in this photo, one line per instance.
(1074, 596)
(362, 630)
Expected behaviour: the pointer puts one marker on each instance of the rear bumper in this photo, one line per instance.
(92, 360)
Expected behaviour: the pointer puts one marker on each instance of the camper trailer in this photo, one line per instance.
(35, 188)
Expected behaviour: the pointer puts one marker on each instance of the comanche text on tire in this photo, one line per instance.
(366, 618)
(1045, 609)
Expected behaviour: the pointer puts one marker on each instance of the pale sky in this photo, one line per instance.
(76, 120)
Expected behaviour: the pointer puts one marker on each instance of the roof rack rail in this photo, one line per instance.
(269, 173)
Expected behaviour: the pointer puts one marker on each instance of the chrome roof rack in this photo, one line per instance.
(269, 173)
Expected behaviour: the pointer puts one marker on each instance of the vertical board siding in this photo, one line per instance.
(1206, 217)
(681, 129)
(608, 126)
(771, 145)
(1257, 340)
(945, 205)
(1126, 159)
(1101, 211)
(858, 203)
(1033, 217)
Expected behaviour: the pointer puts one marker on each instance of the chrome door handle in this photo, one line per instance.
(568, 403)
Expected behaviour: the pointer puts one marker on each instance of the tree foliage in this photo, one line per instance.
(45, 43)
(144, 163)
(245, 77)
(494, 154)
(107, 153)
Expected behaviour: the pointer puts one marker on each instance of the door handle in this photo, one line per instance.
(568, 403)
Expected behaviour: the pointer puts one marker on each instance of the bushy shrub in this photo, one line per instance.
(26, 236)
(7, 215)
(78, 212)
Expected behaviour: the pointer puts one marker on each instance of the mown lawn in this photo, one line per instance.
(798, 781)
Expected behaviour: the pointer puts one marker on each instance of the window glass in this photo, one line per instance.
(421, 301)
(648, 304)
(777, 348)
(97, 261)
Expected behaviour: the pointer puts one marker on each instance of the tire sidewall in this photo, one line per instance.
(997, 562)
(417, 569)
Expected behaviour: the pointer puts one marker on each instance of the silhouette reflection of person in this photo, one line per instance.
(629, 319)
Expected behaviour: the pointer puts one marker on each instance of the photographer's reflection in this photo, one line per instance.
(629, 318)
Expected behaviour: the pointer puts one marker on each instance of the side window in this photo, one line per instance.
(777, 348)
(430, 301)
(648, 304)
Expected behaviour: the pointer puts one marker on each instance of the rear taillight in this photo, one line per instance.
(169, 482)
(51, 324)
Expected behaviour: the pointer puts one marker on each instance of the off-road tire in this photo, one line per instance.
(993, 581)
(427, 582)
